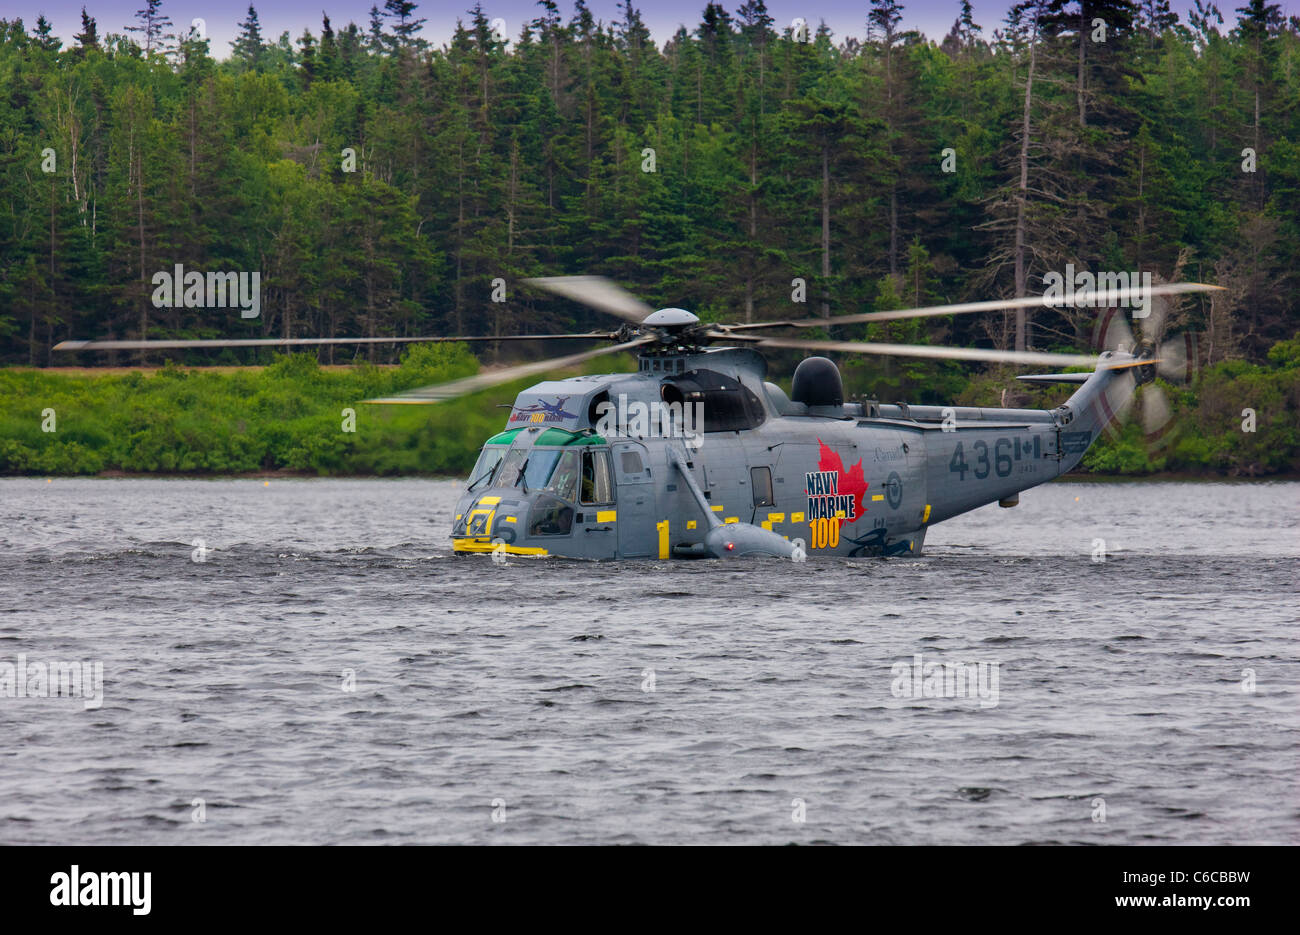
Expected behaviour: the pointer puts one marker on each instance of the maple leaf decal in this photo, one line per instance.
(852, 481)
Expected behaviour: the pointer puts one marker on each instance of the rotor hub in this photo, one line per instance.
(671, 318)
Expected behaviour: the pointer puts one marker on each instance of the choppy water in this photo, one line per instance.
(526, 684)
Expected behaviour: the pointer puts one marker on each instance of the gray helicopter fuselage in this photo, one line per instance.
(623, 466)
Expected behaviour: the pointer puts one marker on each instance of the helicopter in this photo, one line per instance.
(697, 454)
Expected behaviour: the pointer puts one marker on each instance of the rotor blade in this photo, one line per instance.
(306, 342)
(944, 353)
(1117, 399)
(596, 292)
(1107, 297)
(728, 336)
(1118, 333)
(1176, 358)
(482, 381)
(1137, 362)
(1155, 409)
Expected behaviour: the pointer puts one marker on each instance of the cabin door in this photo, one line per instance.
(637, 535)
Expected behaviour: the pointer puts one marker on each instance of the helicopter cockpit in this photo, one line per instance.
(536, 490)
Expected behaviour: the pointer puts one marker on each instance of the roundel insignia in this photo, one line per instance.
(894, 490)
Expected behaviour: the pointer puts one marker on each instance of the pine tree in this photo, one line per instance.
(152, 24)
(248, 47)
(45, 38)
(406, 27)
(378, 39)
(1155, 18)
(88, 38)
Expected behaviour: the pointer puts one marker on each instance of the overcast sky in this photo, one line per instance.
(845, 17)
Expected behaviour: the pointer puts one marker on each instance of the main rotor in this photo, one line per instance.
(678, 330)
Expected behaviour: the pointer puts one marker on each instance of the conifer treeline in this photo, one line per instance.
(709, 174)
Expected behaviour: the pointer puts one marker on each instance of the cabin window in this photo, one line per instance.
(596, 486)
(760, 479)
(630, 462)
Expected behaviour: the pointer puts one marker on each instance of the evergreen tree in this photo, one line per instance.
(152, 23)
(406, 27)
(45, 38)
(88, 38)
(248, 47)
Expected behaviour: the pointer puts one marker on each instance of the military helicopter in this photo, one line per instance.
(698, 455)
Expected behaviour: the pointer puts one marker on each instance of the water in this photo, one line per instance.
(1120, 683)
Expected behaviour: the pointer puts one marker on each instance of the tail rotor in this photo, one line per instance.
(1173, 361)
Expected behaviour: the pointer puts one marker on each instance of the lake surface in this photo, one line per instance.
(330, 673)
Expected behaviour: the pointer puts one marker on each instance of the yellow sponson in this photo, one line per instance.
(485, 545)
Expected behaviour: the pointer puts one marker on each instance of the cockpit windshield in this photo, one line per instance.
(549, 469)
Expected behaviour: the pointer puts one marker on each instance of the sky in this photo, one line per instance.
(845, 17)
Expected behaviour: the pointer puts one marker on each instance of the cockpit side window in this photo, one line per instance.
(596, 486)
(564, 479)
(486, 468)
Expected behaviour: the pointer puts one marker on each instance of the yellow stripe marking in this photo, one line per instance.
(796, 517)
(606, 516)
(485, 545)
(716, 509)
(489, 501)
(776, 517)
(690, 524)
(509, 519)
(879, 496)
(731, 519)
(926, 517)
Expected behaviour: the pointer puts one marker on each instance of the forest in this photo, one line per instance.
(745, 170)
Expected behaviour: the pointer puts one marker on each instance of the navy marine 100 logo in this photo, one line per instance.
(542, 411)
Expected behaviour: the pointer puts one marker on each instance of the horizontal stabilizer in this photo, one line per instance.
(1055, 377)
